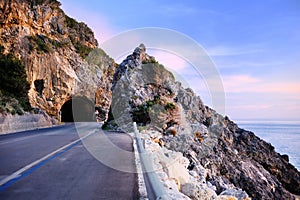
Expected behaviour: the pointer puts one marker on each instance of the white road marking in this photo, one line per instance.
(20, 171)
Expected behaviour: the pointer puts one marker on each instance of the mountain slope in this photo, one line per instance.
(145, 92)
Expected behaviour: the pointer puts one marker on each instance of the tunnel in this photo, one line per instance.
(78, 109)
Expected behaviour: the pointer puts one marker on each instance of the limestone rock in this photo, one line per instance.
(222, 156)
(238, 194)
(176, 167)
(195, 191)
(54, 48)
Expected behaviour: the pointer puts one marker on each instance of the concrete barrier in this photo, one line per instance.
(155, 183)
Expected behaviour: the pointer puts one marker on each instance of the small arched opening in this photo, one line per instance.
(78, 109)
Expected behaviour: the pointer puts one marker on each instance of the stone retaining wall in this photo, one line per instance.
(14, 123)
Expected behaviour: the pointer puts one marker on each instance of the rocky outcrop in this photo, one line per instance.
(175, 173)
(151, 99)
(54, 49)
(225, 159)
(62, 61)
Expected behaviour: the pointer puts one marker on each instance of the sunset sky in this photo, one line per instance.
(255, 46)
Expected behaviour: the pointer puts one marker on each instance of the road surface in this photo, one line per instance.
(53, 163)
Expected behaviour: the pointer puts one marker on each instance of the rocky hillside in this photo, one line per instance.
(145, 92)
(55, 49)
(61, 60)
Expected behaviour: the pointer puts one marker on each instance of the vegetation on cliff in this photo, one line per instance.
(40, 2)
(14, 86)
(76, 39)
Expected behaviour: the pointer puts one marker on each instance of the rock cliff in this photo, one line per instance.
(233, 158)
(55, 50)
(62, 61)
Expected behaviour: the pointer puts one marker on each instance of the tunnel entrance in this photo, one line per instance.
(78, 109)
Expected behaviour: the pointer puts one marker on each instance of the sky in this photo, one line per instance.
(254, 45)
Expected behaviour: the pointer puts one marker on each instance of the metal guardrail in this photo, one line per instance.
(155, 183)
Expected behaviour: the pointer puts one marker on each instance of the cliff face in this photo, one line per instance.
(153, 96)
(62, 61)
(145, 92)
(54, 48)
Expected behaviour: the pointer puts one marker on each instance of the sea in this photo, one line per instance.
(283, 135)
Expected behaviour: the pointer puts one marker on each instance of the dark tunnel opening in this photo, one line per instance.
(78, 109)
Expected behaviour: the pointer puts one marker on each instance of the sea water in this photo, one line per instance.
(283, 135)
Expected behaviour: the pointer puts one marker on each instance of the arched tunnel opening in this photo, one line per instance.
(78, 109)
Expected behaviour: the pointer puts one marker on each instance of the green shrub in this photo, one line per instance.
(105, 126)
(142, 128)
(41, 46)
(151, 60)
(58, 44)
(83, 50)
(140, 114)
(13, 80)
(13, 112)
(41, 2)
(77, 31)
(170, 106)
(17, 109)
(135, 97)
(70, 22)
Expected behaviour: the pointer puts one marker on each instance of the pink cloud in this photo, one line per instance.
(168, 59)
(246, 83)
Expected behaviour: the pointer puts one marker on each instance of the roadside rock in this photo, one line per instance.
(201, 191)
(225, 161)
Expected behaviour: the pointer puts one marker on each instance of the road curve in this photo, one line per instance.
(71, 173)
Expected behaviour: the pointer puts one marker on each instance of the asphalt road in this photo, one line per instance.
(68, 173)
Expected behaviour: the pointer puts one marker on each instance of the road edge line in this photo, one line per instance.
(29, 166)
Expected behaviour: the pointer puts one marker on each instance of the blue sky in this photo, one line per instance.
(255, 45)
